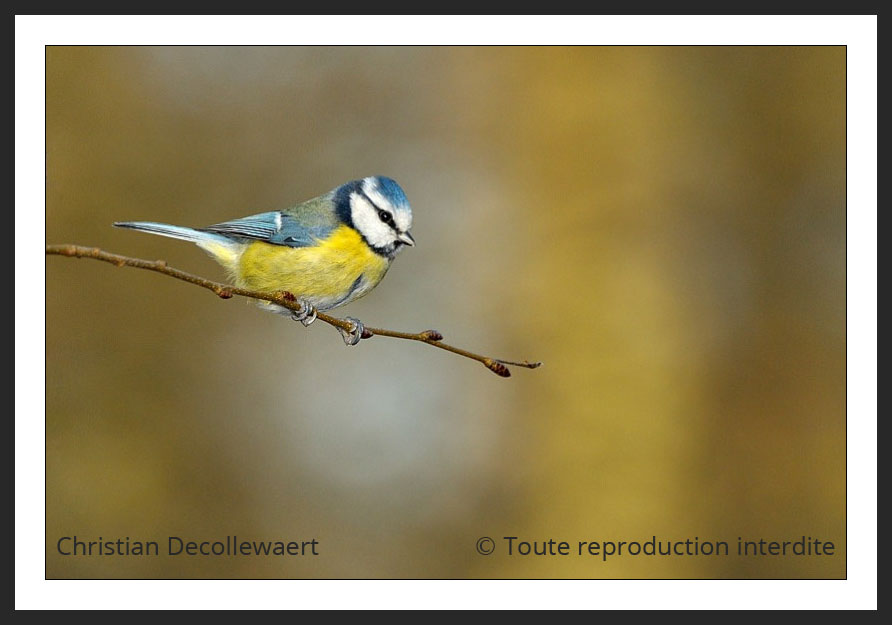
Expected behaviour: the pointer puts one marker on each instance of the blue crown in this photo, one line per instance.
(392, 191)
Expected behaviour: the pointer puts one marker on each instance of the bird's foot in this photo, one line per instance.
(307, 313)
(352, 336)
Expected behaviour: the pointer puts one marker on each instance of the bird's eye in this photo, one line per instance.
(386, 217)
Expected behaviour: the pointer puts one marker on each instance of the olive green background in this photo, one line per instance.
(664, 227)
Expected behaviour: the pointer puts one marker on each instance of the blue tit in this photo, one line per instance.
(327, 251)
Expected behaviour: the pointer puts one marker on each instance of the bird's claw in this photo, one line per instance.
(351, 337)
(307, 313)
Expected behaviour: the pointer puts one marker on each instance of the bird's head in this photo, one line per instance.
(377, 208)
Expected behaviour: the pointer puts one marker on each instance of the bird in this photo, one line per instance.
(326, 251)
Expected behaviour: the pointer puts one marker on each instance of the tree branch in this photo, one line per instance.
(284, 299)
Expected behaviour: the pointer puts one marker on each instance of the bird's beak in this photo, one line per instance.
(406, 238)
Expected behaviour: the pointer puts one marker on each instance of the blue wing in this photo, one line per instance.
(275, 227)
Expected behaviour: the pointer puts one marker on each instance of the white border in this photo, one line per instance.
(858, 33)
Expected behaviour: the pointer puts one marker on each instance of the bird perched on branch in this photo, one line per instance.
(327, 251)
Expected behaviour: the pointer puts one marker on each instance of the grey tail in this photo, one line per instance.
(175, 232)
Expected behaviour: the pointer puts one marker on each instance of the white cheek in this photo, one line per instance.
(366, 220)
(402, 218)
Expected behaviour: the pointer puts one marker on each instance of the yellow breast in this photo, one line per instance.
(335, 271)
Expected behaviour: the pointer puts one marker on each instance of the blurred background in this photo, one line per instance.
(664, 227)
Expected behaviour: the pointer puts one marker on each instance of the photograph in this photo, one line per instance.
(567, 324)
(663, 228)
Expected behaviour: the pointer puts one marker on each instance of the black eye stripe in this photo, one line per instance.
(386, 217)
(383, 215)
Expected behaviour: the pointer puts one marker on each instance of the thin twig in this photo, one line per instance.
(284, 299)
